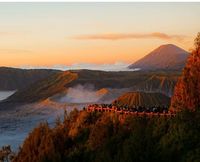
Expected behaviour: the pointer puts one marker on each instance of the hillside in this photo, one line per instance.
(103, 79)
(13, 78)
(115, 83)
(142, 99)
(96, 136)
(112, 94)
(165, 57)
(44, 88)
(158, 83)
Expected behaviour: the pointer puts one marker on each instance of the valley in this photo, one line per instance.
(52, 93)
(46, 99)
(99, 82)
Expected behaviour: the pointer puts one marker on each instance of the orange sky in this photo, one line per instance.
(47, 34)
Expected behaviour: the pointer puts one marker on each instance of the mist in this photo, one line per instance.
(5, 94)
(117, 66)
(81, 94)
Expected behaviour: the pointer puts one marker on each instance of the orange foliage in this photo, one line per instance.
(187, 90)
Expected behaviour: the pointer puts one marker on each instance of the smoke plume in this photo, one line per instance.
(81, 94)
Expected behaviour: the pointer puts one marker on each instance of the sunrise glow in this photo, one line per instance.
(48, 34)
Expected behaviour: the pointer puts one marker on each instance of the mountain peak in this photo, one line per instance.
(165, 57)
(168, 45)
(171, 47)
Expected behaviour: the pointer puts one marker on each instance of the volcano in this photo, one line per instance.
(142, 99)
(165, 57)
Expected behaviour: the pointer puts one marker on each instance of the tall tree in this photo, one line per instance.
(187, 90)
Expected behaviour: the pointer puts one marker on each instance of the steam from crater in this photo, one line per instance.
(81, 94)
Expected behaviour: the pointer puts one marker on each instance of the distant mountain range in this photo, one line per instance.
(165, 57)
(14, 78)
(44, 88)
(159, 73)
(115, 83)
(142, 99)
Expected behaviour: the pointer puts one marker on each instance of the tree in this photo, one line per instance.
(187, 90)
(181, 142)
(197, 42)
(6, 154)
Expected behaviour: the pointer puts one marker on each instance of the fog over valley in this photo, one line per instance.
(16, 123)
(5, 94)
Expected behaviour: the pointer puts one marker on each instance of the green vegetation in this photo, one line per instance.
(99, 137)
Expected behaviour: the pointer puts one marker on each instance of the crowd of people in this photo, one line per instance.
(147, 109)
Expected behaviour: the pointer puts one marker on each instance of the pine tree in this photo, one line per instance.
(187, 90)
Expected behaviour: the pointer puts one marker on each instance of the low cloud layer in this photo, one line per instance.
(87, 93)
(122, 36)
(118, 66)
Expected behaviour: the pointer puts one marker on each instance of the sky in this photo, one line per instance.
(102, 34)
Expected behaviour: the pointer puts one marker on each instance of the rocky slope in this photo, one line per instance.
(158, 83)
(142, 99)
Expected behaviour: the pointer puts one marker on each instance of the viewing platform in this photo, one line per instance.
(124, 111)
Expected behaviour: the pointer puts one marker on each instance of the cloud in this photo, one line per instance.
(118, 66)
(122, 36)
